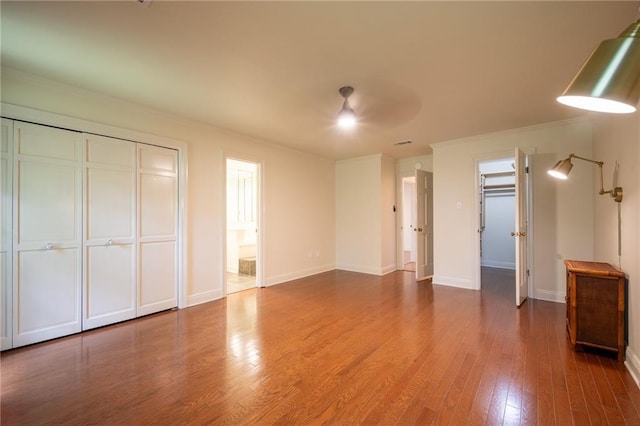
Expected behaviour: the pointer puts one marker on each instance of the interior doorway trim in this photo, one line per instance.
(475, 225)
(260, 240)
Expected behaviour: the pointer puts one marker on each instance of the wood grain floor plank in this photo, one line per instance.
(334, 348)
(628, 408)
(605, 393)
(594, 404)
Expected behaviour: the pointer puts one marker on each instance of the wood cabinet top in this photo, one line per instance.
(593, 268)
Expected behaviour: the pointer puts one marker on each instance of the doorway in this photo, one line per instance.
(416, 228)
(503, 228)
(408, 219)
(243, 223)
(497, 213)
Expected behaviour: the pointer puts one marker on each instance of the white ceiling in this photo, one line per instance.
(422, 71)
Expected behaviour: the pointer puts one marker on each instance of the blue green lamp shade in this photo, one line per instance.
(609, 81)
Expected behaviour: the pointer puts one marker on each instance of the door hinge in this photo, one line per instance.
(526, 169)
(528, 272)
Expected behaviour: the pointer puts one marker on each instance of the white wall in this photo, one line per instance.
(559, 232)
(365, 221)
(407, 166)
(298, 188)
(388, 202)
(617, 139)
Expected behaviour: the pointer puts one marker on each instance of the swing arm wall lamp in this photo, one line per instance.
(563, 167)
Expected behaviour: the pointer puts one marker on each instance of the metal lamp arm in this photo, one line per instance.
(616, 193)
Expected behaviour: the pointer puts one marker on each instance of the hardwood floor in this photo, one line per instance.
(336, 348)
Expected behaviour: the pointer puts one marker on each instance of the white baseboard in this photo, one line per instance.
(549, 296)
(453, 282)
(280, 279)
(632, 363)
(388, 269)
(204, 297)
(498, 264)
(367, 269)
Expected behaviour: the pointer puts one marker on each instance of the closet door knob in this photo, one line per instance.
(48, 246)
(109, 242)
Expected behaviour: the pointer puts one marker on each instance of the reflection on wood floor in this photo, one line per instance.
(501, 283)
(335, 348)
(237, 282)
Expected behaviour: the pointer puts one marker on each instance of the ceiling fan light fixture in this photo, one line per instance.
(347, 118)
(609, 79)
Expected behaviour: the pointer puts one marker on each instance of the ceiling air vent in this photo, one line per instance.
(407, 142)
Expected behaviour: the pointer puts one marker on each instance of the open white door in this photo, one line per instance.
(520, 233)
(424, 225)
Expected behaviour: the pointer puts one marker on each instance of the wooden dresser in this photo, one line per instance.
(595, 306)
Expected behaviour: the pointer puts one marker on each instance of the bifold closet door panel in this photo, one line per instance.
(6, 177)
(109, 231)
(157, 229)
(47, 242)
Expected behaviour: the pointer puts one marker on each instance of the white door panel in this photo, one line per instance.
(6, 231)
(48, 195)
(46, 142)
(110, 236)
(155, 159)
(48, 296)
(110, 290)
(520, 233)
(47, 221)
(5, 204)
(110, 204)
(424, 225)
(102, 150)
(7, 302)
(157, 277)
(157, 229)
(157, 207)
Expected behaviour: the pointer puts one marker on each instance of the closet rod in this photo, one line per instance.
(502, 186)
(498, 174)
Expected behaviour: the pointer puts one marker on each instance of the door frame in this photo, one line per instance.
(259, 220)
(20, 113)
(424, 224)
(401, 215)
(406, 169)
(475, 225)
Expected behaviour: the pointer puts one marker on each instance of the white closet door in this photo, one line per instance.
(6, 177)
(157, 229)
(47, 231)
(109, 231)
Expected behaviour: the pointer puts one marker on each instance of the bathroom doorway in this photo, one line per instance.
(243, 263)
